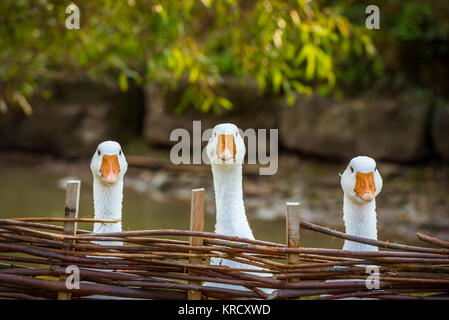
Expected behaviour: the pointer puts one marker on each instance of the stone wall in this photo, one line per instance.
(385, 129)
(440, 131)
(82, 113)
(79, 115)
(251, 109)
(393, 129)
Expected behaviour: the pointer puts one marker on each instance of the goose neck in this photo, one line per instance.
(108, 205)
(360, 220)
(231, 216)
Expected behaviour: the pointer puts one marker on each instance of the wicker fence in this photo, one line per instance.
(158, 264)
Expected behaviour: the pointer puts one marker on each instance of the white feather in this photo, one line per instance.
(359, 216)
(230, 208)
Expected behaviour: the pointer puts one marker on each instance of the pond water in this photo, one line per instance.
(30, 192)
(413, 199)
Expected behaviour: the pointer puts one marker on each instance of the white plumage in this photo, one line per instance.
(226, 151)
(108, 168)
(361, 183)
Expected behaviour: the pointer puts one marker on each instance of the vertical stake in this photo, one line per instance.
(196, 224)
(72, 198)
(293, 233)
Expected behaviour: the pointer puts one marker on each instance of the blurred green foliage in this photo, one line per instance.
(412, 43)
(288, 46)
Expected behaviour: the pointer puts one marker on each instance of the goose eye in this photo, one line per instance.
(215, 133)
(120, 153)
(99, 153)
(352, 169)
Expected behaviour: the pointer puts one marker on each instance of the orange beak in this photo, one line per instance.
(226, 147)
(364, 186)
(110, 169)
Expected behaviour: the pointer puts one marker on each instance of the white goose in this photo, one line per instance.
(361, 183)
(226, 151)
(108, 168)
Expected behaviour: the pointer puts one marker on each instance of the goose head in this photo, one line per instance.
(108, 163)
(361, 182)
(226, 145)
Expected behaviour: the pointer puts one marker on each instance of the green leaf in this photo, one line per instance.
(277, 80)
(311, 63)
(194, 73)
(225, 103)
(123, 82)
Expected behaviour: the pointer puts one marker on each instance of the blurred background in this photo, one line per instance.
(136, 70)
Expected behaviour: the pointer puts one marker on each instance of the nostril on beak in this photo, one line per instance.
(367, 196)
(111, 179)
(226, 155)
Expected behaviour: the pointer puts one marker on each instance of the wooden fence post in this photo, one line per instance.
(72, 198)
(196, 224)
(293, 233)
